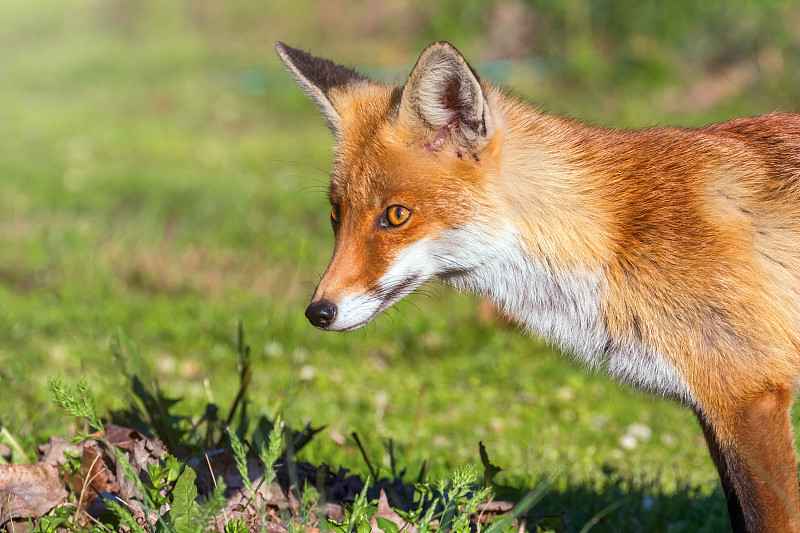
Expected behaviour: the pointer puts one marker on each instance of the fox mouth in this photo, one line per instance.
(395, 293)
(388, 297)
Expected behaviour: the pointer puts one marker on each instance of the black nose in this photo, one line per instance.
(321, 313)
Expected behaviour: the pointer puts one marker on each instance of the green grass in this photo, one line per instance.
(162, 176)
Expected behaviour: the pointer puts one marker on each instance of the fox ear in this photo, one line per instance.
(317, 77)
(444, 95)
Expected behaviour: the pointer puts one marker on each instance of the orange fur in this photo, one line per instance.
(670, 256)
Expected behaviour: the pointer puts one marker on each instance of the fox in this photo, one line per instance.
(667, 257)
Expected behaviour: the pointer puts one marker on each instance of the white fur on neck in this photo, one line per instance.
(563, 306)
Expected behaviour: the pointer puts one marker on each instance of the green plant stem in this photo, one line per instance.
(9, 438)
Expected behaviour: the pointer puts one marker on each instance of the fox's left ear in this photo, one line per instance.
(319, 78)
(444, 95)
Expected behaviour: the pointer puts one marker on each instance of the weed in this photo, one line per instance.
(58, 520)
(162, 476)
(236, 525)
(76, 401)
(8, 438)
(241, 460)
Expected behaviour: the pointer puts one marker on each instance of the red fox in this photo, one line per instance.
(668, 257)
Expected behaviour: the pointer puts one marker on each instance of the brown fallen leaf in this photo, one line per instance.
(52, 453)
(385, 511)
(273, 527)
(141, 456)
(122, 437)
(334, 511)
(488, 511)
(96, 476)
(222, 464)
(29, 491)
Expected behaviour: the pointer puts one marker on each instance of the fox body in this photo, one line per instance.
(668, 257)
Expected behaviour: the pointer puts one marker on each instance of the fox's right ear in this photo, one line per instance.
(318, 77)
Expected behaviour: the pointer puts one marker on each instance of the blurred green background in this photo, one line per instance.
(161, 178)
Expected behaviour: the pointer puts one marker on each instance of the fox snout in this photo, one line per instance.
(321, 313)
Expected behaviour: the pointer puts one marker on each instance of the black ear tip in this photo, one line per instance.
(440, 46)
(282, 48)
(441, 51)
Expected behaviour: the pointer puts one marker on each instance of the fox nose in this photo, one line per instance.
(321, 313)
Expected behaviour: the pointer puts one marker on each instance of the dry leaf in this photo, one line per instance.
(222, 464)
(122, 437)
(96, 475)
(488, 511)
(28, 490)
(385, 511)
(52, 453)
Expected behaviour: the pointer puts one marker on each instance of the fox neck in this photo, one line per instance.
(554, 199)
(542, 255)
(562, 306)
(547, 235)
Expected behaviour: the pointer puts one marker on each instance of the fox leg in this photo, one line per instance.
(731, 498)
(754, 454)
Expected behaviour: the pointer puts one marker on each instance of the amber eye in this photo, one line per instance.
(335, 213)
(397, 215)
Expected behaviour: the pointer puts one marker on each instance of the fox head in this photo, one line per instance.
(408, 193)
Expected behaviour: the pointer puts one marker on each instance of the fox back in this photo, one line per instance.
(668, 257)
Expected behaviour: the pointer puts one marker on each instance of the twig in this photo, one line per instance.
(87, 481)
(242, 389)
(364, 455)
(214, 479)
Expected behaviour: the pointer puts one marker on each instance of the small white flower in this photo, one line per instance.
(640, 431)
(628, 442)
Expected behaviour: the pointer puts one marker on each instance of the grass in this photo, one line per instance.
(162, 176)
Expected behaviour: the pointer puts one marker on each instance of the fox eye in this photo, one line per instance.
(335, 213)
(397, 215)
